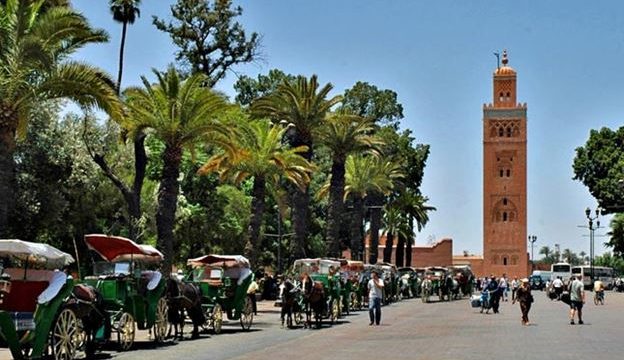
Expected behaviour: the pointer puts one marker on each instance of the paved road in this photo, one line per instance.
(413, 330)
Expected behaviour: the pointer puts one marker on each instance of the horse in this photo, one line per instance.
(88, 305)
(315, 303)
(426, 289)
(446, 288)
(288, 293)
(183, 297)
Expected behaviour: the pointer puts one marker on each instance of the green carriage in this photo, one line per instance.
(437, 274)
(409, 282)
(390, 279)
(133, 295)
(224, 281)
(36, 318)
(326, 272)
(350, 272)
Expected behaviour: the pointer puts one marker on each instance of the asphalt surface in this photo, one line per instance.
(413, 330)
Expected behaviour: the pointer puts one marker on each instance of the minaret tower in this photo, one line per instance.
(505, 178)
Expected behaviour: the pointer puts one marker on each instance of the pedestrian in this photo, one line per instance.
(558, 286)
(251, 292)
(515, 284)
(495, 293)
(577, 299)
(525, 298)
(375, 294)
(502, 284)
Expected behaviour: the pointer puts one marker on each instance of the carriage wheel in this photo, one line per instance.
(246, 317)
(216, 318)
(162, 323)
(298, 315)
(64, 338)
(125, 331)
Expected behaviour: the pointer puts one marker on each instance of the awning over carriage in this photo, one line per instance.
(117, 248)
(35, 253)
(220, 260)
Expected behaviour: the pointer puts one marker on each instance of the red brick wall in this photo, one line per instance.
(438, 254)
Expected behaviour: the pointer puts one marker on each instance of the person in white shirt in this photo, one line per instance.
(558, 286)
(375, 294)
(514, 286)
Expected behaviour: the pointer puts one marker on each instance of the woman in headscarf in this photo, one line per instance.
(523, 295)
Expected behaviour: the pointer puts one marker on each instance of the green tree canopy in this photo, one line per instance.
(209, 39)
(599, 165)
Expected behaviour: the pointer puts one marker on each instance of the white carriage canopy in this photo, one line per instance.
(35, 253)
(234, 266)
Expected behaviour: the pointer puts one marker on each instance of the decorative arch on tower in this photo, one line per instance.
(505, 211)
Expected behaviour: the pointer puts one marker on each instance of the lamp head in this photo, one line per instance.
(588, 212)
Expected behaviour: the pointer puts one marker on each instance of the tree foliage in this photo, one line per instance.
(599, 165)
(209, 39)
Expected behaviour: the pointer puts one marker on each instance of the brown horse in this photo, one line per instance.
(183, 297)
(315, 303)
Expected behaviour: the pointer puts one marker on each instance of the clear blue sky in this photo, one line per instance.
(437, 55)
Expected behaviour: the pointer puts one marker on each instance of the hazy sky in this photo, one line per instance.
(437, 55)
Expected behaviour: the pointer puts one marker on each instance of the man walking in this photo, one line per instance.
(375, 294)
(558, 286)
(577, 299)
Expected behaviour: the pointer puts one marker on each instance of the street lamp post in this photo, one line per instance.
(532, 240)
(592, 229)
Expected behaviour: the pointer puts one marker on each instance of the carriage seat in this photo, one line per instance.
(152, 278)
(213, 282)
(39, 286)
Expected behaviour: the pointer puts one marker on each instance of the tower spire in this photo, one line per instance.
(505, 60)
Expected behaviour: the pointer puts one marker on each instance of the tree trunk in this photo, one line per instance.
(301, 202)
(131, 196)
(387, 255)
(7, 168)
(121, 52)
(357, 235)
(167, 203)
(408, 244)
(255, 223)
(400, 251)
(336, 207)
(374, 234)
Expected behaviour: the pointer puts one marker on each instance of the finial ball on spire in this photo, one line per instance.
(505, 60)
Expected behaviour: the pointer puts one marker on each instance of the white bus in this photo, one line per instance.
(604, 274)
(563, 270)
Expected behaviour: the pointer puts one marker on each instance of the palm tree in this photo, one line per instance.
(124, 12)
(394, 225)
(260, 153)
(549, 256)
(418, 211)
(180, 113)
(303, 104)
(365, 175)
(35, 44)
(343, 133)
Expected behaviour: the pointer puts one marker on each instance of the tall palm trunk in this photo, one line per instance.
(7, 167)
(301, 203)
(410, 241)
(167, 202)
(357, 235)
(400, 251)
(336, 207)
(121, 52)
(374, 228)
(257, 211)
(387, 254)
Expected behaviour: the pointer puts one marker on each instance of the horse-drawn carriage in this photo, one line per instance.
(326, 273)
(439, 278)
(409, 282)
(390, 278)
(38, 312)
(133, 295)
(464, 277)
(223, 281)
(350, 273)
